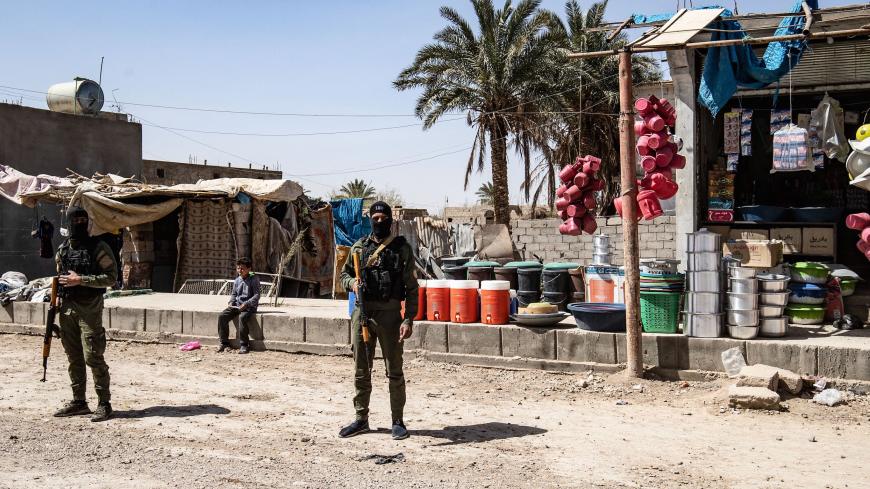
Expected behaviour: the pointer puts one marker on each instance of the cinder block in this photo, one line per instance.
(29, 312)
(164, 321)
(844, 363)
(203, 323)
(128, 319)
(6, 314)
(706, 353)
(797, 358)
(518, 341)
(107, 317)
(576, 345)
(327, 331)
(282, 327)
(473, 339)
(662, 350)
(430, 336)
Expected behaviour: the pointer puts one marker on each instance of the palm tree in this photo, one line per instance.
(356, 189)
(587, 119)
(486, 194)
(497, 74)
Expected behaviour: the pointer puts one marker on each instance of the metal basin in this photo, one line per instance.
(743, 285)
(741, 272)
(743, 332)
(703, 325)
(742, 302)
(737, 317)
(704, 281)
(771, 311)
(775, 298)
(774, 327)
(703, 302)
(704, 261)
(771, 282)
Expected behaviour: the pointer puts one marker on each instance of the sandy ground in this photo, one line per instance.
(203, 419)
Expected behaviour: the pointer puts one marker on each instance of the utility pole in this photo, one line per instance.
(628, 185)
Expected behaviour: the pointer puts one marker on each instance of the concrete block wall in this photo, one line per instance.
(541, 238)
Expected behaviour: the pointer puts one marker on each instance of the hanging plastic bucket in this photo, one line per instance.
(529, 278)
(495, 301)
(464, 306)
(508, 274)
(421, 301)
(438, 300)
(649, 204)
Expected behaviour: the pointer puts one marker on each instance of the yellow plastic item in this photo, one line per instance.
(863, 132)
(541, 308)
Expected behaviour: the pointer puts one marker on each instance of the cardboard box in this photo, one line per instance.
(749, 234)
(818, 241)
(791, 239)
(754, 253)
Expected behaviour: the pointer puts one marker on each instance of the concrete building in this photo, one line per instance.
(173, 173)
(38, 141)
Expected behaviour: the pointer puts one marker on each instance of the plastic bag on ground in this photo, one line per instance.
(191, 345)
(829, 397)
(733, 361)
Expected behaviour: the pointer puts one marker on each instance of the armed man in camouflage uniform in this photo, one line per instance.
(388, 271)
(86, 266)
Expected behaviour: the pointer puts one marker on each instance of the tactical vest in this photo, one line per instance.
(83, 261)
(384, 280)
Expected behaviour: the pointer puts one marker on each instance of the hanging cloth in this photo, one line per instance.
(728, 67)
(45, 232)
(828, 121)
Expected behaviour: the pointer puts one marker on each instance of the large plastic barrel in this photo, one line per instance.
(481, 273)
(438, 300)
(526, 297)
(464, 307)
(555, 281)
(454, 273)
(529, 278)
(495, 301)
(80, 96)
(508, 274)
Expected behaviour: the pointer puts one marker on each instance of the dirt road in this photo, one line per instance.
(203, 419)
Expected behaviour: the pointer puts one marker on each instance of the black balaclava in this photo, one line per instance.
(381, 229)
(77, 231)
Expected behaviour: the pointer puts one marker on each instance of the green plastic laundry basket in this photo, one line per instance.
(660, 311)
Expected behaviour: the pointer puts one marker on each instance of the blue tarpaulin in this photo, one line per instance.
(646, 19)
(728, 67)
(348, 220)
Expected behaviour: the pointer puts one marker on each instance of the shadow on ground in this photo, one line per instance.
(479, 433)
(172, 411)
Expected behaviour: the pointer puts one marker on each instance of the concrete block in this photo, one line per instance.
(282, 327)
(759, 375)
(518, 341)
(473, 339)
(6, 314)
(164, 321)
(255, 328)
(706, 353)
(790, 381)
(128, 319)
(204, 323)
(430, 336)
(789, 356)
(29, 312)
(575, 345)
(107, 317)
(844, 363)
(662, 350)
(753, 397)
(327, 331)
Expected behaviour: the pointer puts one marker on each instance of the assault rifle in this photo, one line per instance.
(363, 317)
(50, 328)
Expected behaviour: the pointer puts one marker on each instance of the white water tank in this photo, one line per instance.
(80, 96)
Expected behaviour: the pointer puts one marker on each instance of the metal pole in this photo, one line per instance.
(628, 185)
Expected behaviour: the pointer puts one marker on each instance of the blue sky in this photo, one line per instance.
(336, 57)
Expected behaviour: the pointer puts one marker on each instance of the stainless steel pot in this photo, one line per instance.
(703, 325)
(601, 240)
(602, 258)
(748, 317)
(600, 249)
(704, 261)
(743, 286)
(741, 272)
(743, 332)
(742, 302)
(704, 281)
(771, 282)
(704, 302)
(775, 298)
(703, 240)
(774, 327)
(771, 311)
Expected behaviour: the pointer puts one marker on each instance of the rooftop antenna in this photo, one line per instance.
(100, 82)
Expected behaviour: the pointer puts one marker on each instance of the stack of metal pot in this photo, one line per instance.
(601, 254)
(743, 314)
(703, 315)
(774, 296)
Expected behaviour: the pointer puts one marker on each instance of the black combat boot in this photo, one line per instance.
(357, 427)
(399, 430)
(224, 347)
(103, 412)
(243, 349)
(73, 408)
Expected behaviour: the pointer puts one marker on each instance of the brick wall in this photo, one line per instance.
(541, 237)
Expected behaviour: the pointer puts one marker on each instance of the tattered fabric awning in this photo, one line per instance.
(106, 197)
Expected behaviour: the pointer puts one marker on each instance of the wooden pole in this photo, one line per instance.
(628, 182)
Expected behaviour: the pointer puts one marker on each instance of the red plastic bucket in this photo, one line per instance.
(649, 204)
(463, 301)
(495, 299)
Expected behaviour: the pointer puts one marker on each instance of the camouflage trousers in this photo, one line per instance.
(84, 340)
(384, 328)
